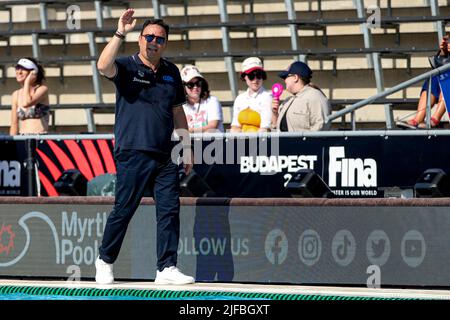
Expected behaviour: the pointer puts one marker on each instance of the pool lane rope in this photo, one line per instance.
(171, 294)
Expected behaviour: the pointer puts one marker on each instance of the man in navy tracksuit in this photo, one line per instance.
(149, 98)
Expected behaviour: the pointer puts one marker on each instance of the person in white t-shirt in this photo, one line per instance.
(203, 111)
(252, 110)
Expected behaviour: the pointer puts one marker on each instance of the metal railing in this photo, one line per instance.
(427, 75)
(246, 135)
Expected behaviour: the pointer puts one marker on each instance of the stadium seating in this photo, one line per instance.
(217, 36)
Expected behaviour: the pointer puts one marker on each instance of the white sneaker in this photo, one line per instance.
(172, 275)
(104, 272)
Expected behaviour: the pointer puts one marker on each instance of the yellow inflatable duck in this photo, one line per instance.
(250, 120)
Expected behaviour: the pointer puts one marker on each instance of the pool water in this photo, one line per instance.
(25, 296)
(55, 293)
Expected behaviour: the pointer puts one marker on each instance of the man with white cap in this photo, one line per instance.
(252, 109)
(203, 111)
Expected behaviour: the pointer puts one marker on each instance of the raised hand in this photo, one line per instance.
(126, 22)
(275, 105)
(31, 77)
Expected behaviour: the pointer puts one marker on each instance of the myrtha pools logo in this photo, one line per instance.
(76, 243)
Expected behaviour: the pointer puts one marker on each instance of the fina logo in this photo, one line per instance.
(354, 172)
(276, 246)
(9, 174)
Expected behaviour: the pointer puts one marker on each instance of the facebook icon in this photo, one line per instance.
(276, 246)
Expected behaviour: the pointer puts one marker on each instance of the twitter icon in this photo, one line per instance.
(378, 247)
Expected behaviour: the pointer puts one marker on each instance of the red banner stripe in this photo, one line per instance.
(48, 186)
(52, 168)
(62, 157)
(94, 157)
(107, 156)
(80, 159)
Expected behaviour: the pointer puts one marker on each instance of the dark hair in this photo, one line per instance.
(306, 80)
(40, 77)
(315, 86)
(264, 75)
(159, 22)
(204, 93)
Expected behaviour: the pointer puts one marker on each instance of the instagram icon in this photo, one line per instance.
(309, 247)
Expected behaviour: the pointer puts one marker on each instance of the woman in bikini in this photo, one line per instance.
(30, 109)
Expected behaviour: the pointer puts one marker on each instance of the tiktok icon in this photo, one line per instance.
(343, 247)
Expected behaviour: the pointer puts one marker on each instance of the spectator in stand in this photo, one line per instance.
(418, 122)
(252, 109)
(30, 109)
(306, 109)
(203, 111)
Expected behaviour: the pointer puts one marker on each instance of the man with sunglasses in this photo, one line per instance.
(149, 99)
(252, 109)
